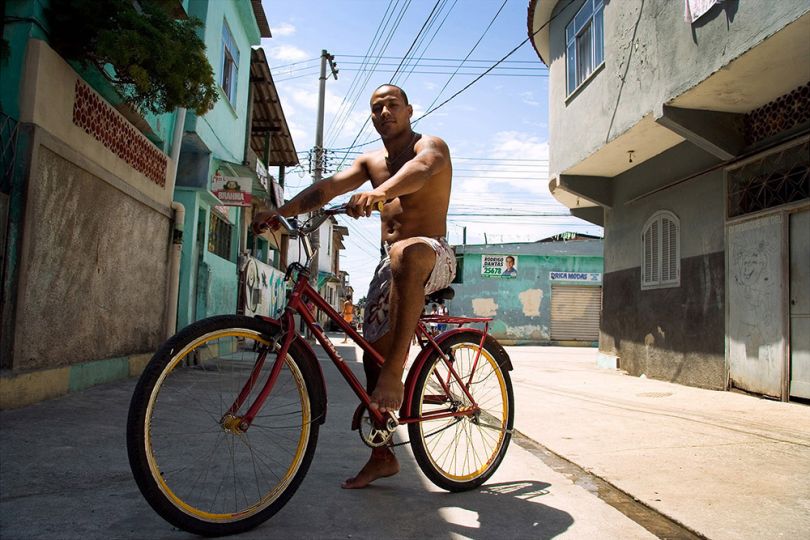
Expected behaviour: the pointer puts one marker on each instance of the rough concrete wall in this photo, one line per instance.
(651, 56)
(520, 307)
(675, 334)
(93, 275)
(698, 203)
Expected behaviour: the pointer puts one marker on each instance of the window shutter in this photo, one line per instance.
(670, 251)
(655, 251)
(665, 250)
(660, 265)
(646, 266)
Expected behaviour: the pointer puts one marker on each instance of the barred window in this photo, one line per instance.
(661, 251)
(219, 237)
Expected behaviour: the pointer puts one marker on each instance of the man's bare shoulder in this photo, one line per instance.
(432, 142)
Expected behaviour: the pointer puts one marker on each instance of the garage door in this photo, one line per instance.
(575, 312)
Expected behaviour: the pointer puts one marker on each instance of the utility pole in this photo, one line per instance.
(317, 175)
(325, 57)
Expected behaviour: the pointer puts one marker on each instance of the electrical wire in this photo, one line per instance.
(344, 109)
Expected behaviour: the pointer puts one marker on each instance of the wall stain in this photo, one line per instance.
(531, 299)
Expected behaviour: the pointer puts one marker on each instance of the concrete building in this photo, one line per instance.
(682, 128)
(88, 220)
(540, 293)
(217, 162)
(330, 283)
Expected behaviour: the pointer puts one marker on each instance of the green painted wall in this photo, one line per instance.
(520, 306)
(24, 19)
(223, 128)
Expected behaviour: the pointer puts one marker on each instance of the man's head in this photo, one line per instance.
(510, 261)
(390, 111)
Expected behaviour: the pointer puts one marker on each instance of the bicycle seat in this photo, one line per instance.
(442, 294)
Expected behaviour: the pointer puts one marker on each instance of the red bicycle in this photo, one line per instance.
(224, 420)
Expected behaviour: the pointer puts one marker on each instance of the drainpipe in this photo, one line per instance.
(176, 248)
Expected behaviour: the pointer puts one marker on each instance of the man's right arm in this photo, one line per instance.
(319, 193)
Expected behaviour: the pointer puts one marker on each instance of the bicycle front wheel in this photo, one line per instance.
(193, 462)
(458, 453)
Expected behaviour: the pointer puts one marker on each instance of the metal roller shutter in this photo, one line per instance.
(575, 312)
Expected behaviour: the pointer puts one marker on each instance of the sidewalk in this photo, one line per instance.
(723, 464)
(64, 475)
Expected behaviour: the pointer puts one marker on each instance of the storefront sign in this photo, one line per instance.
(261, 174)
(499, 266)
(232, 190)
(278, 193)
(590, 277)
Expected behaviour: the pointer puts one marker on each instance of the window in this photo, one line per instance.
(661, 252)
(230, 64)
(459, 270)
(219, 237)
(584, 43)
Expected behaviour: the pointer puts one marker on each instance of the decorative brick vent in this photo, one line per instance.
(779, 178)
(781, 114)
(106, 125)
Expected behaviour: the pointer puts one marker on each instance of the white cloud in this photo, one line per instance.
(287, 53)
(283, 29)
(529, 99)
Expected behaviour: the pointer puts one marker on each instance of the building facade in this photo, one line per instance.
(89, 219)
(540, 293)
(692, 153)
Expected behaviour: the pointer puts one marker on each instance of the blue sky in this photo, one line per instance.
(497, 129)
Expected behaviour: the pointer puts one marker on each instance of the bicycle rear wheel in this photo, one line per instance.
(459, 453)
(192, 462)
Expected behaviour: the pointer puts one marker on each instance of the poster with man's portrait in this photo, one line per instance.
(499, 266)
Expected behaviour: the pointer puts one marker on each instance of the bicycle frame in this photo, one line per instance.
(301, 293)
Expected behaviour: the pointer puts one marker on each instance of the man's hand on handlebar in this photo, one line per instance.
(264, 220)
(362, 204)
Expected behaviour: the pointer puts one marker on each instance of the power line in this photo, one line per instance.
(426, 47)
(467, 56)
(355, 81)
(361, 86)
(442, 59)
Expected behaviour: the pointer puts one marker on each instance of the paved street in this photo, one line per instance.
(64, 471)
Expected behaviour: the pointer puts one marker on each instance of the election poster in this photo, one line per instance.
(499, 266)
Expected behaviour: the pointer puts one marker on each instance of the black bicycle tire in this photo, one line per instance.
(136, 447)
(421, 452)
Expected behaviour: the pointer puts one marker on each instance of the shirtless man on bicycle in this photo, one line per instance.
(411, 175)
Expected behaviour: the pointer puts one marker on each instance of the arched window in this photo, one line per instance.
(661, 251)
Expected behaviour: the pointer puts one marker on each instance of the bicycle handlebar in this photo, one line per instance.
(295, 228)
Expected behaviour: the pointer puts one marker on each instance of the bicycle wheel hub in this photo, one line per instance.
(233, 424)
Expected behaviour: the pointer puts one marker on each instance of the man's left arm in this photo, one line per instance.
(432, 155)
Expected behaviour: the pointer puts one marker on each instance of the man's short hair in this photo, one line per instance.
(401, 91)
(510, 258)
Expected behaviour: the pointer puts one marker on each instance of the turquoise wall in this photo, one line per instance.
(29, 22)
(217, 291)
(208, 283)
(520, 306)
(223, 128)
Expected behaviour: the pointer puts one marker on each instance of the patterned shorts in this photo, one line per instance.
(375, 319)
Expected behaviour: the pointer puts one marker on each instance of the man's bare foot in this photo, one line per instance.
(381, 464)
(387, 394)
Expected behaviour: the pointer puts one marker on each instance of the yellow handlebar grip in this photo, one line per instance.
(379, 206)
